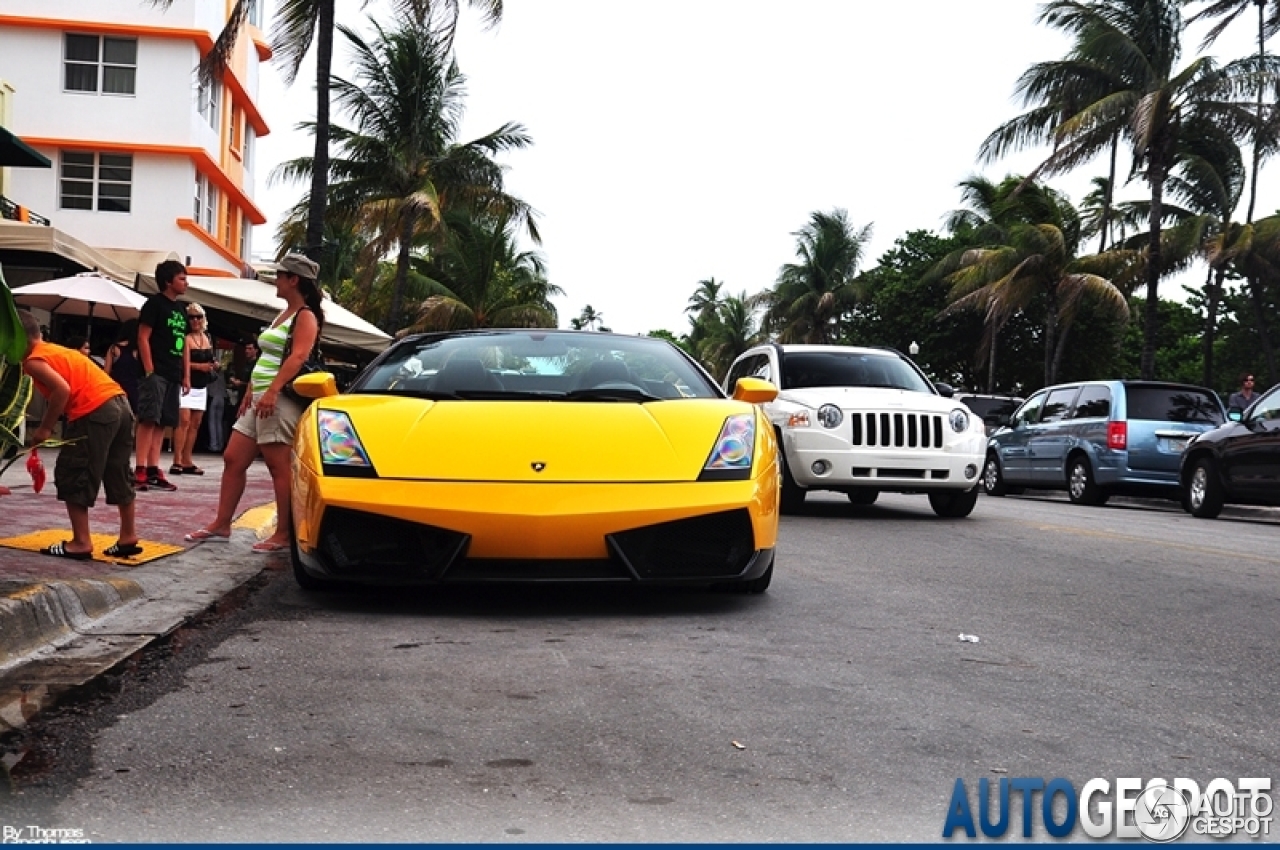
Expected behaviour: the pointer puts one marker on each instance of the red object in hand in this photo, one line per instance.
(35, 467)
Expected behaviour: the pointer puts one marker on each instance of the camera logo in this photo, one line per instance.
(1162, 813)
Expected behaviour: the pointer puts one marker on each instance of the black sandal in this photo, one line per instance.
(59, 550)
(192, 470)
(122, 550)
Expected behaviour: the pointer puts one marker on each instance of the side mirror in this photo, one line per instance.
(754, 391)
(316, 385)
(1235, 414)
(944, 390)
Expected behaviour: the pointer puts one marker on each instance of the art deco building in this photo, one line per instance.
(146, 162)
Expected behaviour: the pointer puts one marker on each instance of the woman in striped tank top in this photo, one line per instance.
(267, 417)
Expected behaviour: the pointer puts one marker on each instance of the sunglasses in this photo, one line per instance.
(195, 315)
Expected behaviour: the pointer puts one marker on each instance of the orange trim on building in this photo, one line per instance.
(201, 271)
(260, 42)
(241, 96)
(202, 39)
(207, 238)
(199, 156)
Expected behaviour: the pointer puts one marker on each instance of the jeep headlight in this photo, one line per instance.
(830, 416)
(959, 420)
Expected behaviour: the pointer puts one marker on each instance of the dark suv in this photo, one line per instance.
(1096, 438)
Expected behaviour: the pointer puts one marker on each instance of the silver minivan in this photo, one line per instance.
(1098, 438)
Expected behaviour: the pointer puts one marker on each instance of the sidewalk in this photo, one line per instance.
(63, 622)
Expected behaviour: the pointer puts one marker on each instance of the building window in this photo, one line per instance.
(244, 237)
(208, 99)
(235, 128)
(206, 203)
(104, 177)
(255, 13)
(249, 136)
(101, 64)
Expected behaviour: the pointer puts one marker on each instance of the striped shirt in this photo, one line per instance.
(271, 347)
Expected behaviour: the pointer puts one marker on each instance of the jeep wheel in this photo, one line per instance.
(1204, 493)
(954, 504)
(792, 493)
(1081, 487)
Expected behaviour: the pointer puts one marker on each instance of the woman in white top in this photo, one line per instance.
(201, 366)
(268, 418)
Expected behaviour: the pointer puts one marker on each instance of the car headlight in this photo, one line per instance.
(959, 420)
(341, 452)
(830, 416)
(730, 459)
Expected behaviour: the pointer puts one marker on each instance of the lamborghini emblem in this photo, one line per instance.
(538, 466)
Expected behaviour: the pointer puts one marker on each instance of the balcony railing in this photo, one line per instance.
(17, 212)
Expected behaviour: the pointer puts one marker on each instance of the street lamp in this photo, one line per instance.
(913, 348)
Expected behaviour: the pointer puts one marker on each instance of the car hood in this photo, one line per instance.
(511, 440)
(869, 398)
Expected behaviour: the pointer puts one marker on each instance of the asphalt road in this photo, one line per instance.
(841, 706)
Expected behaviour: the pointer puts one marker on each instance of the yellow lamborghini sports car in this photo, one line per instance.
(534, 455)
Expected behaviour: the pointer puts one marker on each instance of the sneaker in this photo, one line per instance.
(140, 481)
(159, 482)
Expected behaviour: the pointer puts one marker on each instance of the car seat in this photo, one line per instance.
(606, 372)
(465, 373)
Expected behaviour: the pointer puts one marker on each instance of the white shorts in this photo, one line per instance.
(194, 400)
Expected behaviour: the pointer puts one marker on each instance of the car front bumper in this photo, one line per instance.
(955, 466)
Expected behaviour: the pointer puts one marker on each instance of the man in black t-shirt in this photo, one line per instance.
(162, 337)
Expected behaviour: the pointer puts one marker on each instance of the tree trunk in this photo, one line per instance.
(318, 202)
(1110, 193)
(407, 226)
(1050, 339)
(1264, 331)
(1257, 130)
(1059, 350)
(1151, 315)
(991, 360)
(1212, 297)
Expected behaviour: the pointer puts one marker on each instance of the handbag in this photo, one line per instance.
(313, 363)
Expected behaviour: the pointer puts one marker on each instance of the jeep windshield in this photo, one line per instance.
(801, 369)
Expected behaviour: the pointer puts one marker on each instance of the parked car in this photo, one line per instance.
(534, 456)
(860, 421)
(991, 409)
(1237, 463)
(1098, 438)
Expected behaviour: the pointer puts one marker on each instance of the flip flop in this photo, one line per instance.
(59, 550)
(266, 546)
(175, 470)
(192, 470)
(204, 535)
(122, 550)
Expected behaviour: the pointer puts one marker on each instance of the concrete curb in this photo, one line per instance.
(39, 614)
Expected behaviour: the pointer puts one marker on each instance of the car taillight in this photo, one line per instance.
(1117, 435)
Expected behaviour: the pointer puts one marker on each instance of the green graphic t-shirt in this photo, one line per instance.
(167, 319)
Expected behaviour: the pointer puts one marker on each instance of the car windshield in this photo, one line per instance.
(1173, 404)
(521, 364)
(850, 369)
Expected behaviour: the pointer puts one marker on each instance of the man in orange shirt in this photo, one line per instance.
(100, 423)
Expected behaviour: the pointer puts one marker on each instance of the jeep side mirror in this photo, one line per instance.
(944, 390)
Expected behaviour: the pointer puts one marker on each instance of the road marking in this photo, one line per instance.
(1189, 547)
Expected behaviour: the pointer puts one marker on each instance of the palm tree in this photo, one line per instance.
(1034, 258)
(588, 320)
(1121, 77)
(704, 309)
(401, 166)
(480, 280)
(735, 330)
(298, 23)
(810, 297)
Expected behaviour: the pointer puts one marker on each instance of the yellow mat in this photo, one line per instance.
(38, 540)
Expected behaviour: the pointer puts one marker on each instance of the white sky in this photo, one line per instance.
(676, 140)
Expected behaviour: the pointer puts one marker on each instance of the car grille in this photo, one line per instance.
(716, 545)
(364, 545)
(896, 430)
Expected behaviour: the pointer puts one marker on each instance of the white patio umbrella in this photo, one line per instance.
(89, 294)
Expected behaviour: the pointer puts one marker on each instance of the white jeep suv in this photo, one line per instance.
(862, 420)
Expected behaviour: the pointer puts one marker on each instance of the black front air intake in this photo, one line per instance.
(363, 545)
(710, 546)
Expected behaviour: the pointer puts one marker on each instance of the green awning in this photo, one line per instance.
(14, 151)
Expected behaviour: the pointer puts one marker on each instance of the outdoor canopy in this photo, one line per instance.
(14, 151)
(87, 294)
(258, 300)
